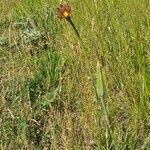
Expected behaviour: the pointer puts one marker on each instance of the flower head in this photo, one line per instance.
(63, 11)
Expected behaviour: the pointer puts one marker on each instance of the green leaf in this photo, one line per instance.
(99, 81)
(48, 98)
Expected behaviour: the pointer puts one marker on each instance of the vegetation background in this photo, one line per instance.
(47, 95)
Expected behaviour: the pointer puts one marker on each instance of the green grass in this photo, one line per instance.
(53, 94)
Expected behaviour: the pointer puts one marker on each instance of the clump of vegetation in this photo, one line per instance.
(78, 82)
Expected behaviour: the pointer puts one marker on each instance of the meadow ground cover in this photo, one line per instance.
(59, 91)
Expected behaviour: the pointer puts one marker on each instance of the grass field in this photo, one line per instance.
(61, 92)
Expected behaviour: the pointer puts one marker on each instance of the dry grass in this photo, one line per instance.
(48, 76)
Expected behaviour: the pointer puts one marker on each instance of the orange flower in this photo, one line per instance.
(63, 11)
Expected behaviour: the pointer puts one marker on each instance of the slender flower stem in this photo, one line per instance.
(73, 25)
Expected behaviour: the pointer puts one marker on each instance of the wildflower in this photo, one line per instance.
(63, 11)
